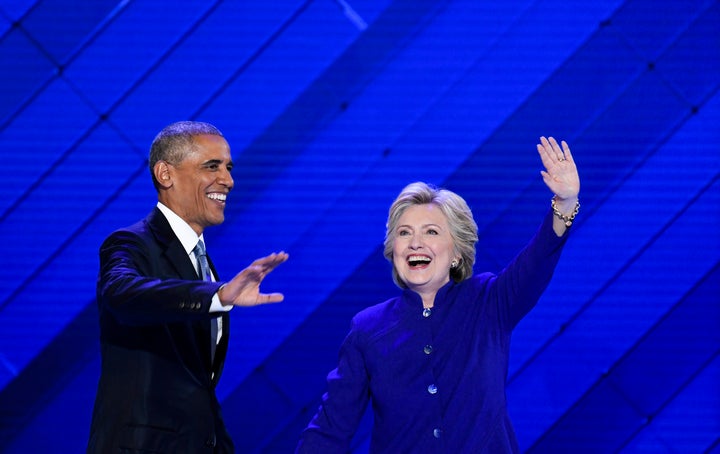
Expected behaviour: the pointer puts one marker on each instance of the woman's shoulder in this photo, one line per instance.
(477, 282)
(377, 319)
(377, 312)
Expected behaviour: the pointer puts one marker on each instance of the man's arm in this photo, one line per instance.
(139, 287)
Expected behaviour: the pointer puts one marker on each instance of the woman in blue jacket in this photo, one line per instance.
(433, 361)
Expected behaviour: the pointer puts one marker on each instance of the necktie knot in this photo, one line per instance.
(199, 248)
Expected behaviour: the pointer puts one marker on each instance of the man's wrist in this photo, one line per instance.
(217, 303)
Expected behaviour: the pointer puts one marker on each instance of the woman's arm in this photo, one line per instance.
(343, 404)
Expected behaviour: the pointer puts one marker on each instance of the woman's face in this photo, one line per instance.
(423, 248)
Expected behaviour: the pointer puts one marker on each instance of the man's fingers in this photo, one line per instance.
(264, 298)
(272, 260)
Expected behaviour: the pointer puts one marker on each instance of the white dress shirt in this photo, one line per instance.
(189, 239)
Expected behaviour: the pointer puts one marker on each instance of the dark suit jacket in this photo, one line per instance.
(155, 392)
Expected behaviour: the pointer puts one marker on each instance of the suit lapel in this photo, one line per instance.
(174, 250)
(177, 257)
(222, 347)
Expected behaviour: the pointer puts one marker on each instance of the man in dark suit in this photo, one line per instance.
(164, 321)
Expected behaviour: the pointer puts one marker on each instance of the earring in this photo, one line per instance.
(454, 264)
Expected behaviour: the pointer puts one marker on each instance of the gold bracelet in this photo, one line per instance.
(568, 220)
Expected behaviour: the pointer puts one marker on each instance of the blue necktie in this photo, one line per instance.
(201, 256)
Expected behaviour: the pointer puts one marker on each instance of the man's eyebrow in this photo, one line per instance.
(212, 162)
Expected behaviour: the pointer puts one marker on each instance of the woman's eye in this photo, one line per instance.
(432, 232)
(403, 233)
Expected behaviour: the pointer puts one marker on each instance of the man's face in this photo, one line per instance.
(200, 183)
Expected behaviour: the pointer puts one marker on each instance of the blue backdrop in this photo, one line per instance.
(331, 107)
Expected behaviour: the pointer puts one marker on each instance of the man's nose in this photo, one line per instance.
(226, 179)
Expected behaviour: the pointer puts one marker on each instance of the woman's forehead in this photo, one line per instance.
(423, 213)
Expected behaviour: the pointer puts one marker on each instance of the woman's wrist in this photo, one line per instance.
(565, 209)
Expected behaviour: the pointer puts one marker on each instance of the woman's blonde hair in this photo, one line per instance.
(463, 228)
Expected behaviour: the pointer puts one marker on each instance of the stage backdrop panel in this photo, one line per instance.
(330, 108)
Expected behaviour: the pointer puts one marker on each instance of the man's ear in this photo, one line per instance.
(162, 174)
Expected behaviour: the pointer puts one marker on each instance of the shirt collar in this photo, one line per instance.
(182, 230)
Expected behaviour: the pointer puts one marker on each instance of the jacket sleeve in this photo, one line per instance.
(518, 287)
(332, 428)
(140, 286)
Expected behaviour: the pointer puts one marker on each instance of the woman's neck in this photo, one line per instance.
(428, 299)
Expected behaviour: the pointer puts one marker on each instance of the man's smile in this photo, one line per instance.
(219, 197)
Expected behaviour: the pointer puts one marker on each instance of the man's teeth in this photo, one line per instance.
(217, 196)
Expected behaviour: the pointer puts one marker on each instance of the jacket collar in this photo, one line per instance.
(173, 248)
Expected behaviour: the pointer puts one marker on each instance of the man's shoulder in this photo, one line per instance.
(143, 230)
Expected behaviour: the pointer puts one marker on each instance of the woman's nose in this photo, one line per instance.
(415, 242)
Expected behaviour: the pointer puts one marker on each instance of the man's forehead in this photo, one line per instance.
(210, 147)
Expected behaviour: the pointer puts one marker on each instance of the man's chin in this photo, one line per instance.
(215, 220)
